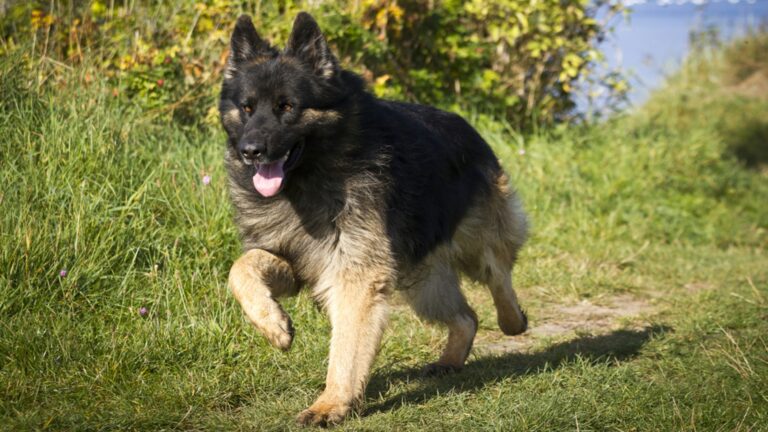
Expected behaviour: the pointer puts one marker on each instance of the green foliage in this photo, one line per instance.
(725, 86)
(521, 59)
(518, 59)
(649, 205)
(746, 57)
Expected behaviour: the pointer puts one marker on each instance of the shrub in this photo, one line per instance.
(520, 59)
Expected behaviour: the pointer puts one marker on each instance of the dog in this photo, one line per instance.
(358, 198)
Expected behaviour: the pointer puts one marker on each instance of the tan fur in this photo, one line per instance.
(484, 248)
(461, 334)
(353, 275)
(355, 290)
(255, 280)
(231, 117)
(231, 67)
(351, 221)
(357, 307)
(320, 118)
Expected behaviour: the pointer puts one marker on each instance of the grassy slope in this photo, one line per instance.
(652, 204)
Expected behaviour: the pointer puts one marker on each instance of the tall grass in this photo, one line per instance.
(653, 204)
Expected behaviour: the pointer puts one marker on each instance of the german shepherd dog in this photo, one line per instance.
(356, 198)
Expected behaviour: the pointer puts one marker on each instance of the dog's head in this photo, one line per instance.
(273, 102)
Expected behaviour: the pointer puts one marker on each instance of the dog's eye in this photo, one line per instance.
(285, 107)
(247, 108)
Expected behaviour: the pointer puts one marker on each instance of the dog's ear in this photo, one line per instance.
(246, 43)
(308, 44)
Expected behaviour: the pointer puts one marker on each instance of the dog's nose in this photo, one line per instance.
(252, 151)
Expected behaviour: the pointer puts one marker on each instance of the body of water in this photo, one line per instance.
(656, 38)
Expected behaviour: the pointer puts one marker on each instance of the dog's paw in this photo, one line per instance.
(438, 369)
(281, 333)
(323, 415)
(275, 325)
(514, 324)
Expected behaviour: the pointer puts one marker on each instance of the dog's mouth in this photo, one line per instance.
(269, 178)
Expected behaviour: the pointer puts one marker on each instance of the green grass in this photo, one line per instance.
(656, 204)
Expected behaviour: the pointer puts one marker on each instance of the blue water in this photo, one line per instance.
(655, 39)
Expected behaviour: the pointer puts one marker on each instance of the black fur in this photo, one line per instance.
(355, 197)
(438, 164)
(428, 165)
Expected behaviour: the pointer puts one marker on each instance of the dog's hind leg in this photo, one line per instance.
(511, 318)
(438, 298)
(488, 242)
(499, 257)
(256, 279)
(493, 267)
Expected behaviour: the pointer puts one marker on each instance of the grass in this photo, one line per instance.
(656, 205)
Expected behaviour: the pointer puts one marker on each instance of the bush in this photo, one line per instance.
(515, 58)
(520, 58)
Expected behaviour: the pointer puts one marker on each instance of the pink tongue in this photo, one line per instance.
(269, 178)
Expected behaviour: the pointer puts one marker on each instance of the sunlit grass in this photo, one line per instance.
(649, 205)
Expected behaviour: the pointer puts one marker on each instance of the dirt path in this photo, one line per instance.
(567, 321)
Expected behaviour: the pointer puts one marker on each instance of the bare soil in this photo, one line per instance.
(567, 321)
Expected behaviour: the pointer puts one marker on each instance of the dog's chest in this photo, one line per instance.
(305, 237)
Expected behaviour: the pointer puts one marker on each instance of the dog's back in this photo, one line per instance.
(450, 209)
(438, 166)
(357, 197)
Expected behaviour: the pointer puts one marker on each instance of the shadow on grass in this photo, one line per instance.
(616, 346)
(750, 143)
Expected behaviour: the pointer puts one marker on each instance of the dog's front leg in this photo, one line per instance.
(256, 279)
(357, 306)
